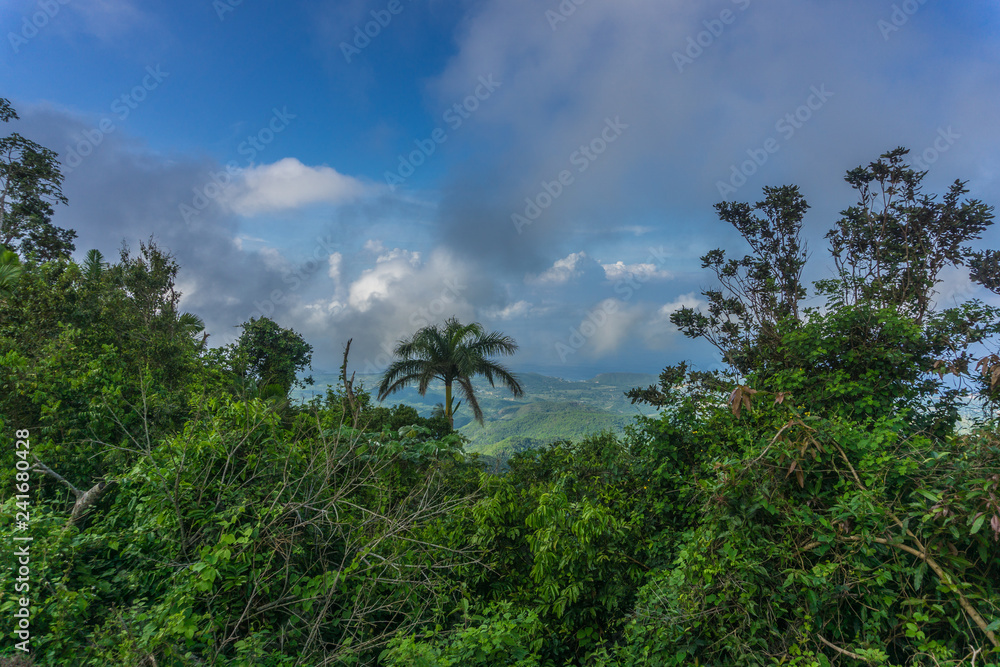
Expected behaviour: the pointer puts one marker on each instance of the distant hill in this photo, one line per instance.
(526, 426)
(551, 409)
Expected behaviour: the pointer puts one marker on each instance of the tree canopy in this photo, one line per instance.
(269, 355)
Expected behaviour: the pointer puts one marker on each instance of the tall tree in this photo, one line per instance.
(454, 354)
(30, 184)
(891, 246)
(270, 355)
(880, 324)
(759, 290)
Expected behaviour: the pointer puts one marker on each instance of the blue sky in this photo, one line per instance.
(546, 167)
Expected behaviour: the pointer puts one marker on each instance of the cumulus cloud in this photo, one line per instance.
(288, 184)
(378, 282)
(689, 300)
(511, 311)
(335, 260)
(563, 270)
(641, 272)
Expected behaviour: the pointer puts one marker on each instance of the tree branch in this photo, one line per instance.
(836, 648)
(41, 467)
(84, 499)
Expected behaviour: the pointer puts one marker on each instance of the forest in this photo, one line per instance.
(816, 502)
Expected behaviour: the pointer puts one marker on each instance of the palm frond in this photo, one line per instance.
(494, 343)
(470, 396)
(10, 271)
(494, 372)
(401, 373)
(190, 324)
(93, 265)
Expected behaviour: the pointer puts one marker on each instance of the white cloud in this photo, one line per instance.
(319, 314)
(641, 272)
(288, 184)
(510, 311)
(954, 288)
(412, 257)
(336, 261)
(562, 271)
(689, 300)
(657, 331)
(377, 283)
(274, 260)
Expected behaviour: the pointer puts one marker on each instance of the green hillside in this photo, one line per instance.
(541, 422)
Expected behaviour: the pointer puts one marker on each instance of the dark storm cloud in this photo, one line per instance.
(803, 90)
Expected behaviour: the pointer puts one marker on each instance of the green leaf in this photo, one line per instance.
(977, 524)
(930, 496)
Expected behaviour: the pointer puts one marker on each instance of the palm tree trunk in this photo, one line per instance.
(447, 405)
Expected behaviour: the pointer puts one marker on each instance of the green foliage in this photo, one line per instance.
(10, 271)
(563, 540)
(87, 358)
(501, 636)
(823, 530)
(266, 354)
(827, 508)
(861, 363)
(239, 538)
(891, 246)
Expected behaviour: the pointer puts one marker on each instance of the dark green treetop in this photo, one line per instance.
(270, 355)
(30, 184)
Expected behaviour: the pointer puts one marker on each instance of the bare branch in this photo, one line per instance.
(41, 467)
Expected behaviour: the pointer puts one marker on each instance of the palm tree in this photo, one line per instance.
(10, 271)
(94, 266)
(189, 324)
(453, 354)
